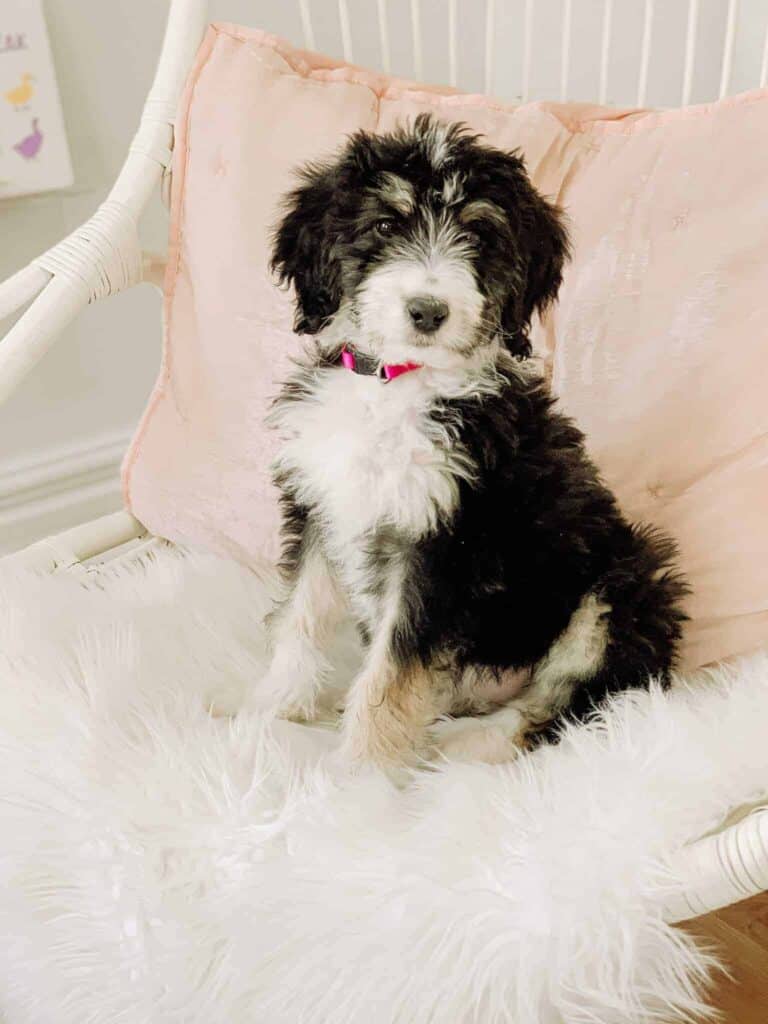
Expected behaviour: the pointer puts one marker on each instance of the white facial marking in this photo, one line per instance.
(435, 263)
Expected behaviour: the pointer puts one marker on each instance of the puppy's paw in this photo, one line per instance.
(297, 711)
(274, 698)
(475, 741)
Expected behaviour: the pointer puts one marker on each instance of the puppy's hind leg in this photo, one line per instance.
(644, 594)
(300, 631)
(489, 739)
(575, 659)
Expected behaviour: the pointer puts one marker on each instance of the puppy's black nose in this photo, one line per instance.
(427, 313)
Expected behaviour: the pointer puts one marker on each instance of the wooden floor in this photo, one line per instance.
(740, 934)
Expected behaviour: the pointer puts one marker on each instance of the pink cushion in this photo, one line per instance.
(658, 347)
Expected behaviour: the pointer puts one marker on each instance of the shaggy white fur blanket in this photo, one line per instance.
(162, 866)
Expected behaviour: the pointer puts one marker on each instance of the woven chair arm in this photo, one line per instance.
(722, 868)
(103, 256)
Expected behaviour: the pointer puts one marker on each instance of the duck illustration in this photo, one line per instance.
(29, 147)
(23, 93)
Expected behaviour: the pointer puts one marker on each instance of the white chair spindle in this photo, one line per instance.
(645, 53)
(721, 868)
(690, 50)
(346, 31)
(527, 48)
(386, 60)
(764, 65)
(730, 35)
(306, 25)
(490, 22)
(565, 49)
(418, 53)
(453, 61)
(605, 49)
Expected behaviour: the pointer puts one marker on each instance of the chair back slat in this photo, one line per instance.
(690, 50)
(730, 35)
(615, 52)
(346, 31)
(565, 49)
(605, 49)
(645, 53)
(490, 20)
(418, 52)
(386, 58)
(306, 25)
(453, 49)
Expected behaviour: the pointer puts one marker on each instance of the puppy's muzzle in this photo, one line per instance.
(427, 313)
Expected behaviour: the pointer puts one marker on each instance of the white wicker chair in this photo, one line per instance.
(104, 256)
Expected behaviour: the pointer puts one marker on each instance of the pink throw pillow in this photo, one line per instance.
(658, 346)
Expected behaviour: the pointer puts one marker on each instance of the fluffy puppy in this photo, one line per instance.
(429, 485)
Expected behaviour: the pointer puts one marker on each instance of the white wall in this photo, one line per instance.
(62, 435)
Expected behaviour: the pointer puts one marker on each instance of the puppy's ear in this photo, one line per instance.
(303, 249)
(543, 249)
(548, 248)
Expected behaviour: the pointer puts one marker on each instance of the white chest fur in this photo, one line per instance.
(365, 453)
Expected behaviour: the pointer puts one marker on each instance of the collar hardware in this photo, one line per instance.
(369, 366)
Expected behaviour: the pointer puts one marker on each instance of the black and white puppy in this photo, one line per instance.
(429, 486)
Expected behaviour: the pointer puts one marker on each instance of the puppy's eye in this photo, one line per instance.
(384, 227)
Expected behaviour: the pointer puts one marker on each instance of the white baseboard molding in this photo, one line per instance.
(53, 490)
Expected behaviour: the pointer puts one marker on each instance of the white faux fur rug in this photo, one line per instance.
(160, 866)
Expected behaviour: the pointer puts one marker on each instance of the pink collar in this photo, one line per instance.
(357, 362)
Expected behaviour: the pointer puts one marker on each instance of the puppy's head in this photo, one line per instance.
(433, 244)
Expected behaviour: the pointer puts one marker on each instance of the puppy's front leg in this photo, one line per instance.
(392, 701)
(300, 630)
(388, 711)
